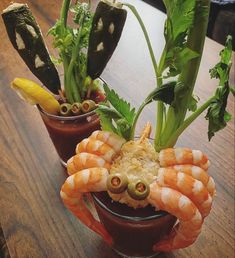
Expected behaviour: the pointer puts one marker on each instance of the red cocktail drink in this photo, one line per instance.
(67, 132)
(134, 231)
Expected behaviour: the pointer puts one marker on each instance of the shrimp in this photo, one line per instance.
(199, 174)
(190, 219)
(72, 191)
(181, 186)
(85, 160)
(188, 186)
(113, 140)
(179, 156)
(96, 147)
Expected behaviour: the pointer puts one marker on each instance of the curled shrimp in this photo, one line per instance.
(96, 147)
(113, 140)
(85, 160)
(179, 156)
(88, 171)
(84, 181)
(190, 219)
(199, 174)
(185, 191)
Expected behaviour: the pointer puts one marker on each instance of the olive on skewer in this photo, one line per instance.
(76, 108)
(65, 109)
(88, 105)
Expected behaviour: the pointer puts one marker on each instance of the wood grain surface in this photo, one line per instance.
(34, 221)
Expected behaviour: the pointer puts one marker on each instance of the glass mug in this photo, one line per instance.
(134, 231)
(67, 132)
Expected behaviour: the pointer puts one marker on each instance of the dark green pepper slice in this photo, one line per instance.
(107, 26)
(25, 35)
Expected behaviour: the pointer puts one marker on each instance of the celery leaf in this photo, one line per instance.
(105, 120)
(217, 114)
(177, 58)
(118, 117)
(165, 93)
(120, 104)
(180, 18)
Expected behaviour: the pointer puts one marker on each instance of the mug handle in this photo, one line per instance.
(93, 223)
(76, 188)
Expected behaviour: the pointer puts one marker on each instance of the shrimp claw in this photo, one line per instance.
(87, 180)
(190, 219)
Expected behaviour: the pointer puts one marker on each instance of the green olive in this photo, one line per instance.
(88, 105)
(138, 189)
(76, 108)
(117, 183)
(65, 109)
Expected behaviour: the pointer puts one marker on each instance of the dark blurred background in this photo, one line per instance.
(221, 19)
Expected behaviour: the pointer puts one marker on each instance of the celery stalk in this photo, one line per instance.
(195, 41)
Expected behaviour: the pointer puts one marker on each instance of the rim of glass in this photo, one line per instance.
(69, 118)
(159, 214)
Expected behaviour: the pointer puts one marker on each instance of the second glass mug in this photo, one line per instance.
(67, 132)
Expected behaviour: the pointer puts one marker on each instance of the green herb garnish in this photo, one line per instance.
(118, 117)
(86, 44)
(71, 43)
(176, 73)
(217, 114)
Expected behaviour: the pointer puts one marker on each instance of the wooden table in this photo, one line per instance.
(34, 221)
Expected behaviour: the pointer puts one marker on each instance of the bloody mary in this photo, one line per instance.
(134, 231)
(67, 132)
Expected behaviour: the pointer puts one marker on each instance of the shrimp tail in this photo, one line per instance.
(146, 132)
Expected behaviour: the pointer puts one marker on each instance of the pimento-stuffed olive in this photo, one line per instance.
(117, 183)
